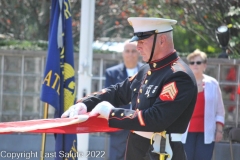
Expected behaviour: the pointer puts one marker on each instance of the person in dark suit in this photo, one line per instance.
(117, 74)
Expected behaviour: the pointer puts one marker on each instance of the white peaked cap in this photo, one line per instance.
(145, 24)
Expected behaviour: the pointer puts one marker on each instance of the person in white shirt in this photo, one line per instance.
(206, 124)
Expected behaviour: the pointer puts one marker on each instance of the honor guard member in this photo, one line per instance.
(163, 95)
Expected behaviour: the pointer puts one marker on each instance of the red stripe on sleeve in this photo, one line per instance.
(140, 118)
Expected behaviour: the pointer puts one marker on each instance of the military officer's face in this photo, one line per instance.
(145, 48)
(197, 65)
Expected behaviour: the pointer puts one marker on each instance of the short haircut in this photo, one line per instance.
(196, 53)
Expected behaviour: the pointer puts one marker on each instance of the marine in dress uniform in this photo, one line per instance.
(163, 95)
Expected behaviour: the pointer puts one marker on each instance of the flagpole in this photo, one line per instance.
(45, 116)
(85, 62)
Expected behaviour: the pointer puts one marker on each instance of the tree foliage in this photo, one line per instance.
(24, 19)
(201, 19)
(197, 20)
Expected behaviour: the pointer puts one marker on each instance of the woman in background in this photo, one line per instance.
(206, 124)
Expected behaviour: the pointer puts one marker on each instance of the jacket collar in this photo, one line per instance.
(160, 63)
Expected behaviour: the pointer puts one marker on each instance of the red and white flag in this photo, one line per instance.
(81, 124)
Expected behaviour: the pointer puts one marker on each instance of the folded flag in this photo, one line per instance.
(81, 124)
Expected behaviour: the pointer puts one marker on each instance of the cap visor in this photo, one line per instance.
(136, 38)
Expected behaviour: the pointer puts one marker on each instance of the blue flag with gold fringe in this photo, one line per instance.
(58, 87)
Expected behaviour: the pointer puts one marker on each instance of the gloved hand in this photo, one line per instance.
(103, 108)
(74, 110)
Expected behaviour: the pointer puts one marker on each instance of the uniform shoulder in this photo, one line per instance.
(179, 65)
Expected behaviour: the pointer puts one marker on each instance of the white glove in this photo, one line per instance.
(103, 108)
(74, 110)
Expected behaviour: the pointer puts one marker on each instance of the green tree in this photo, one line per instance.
(197, 20)
(24, 19)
